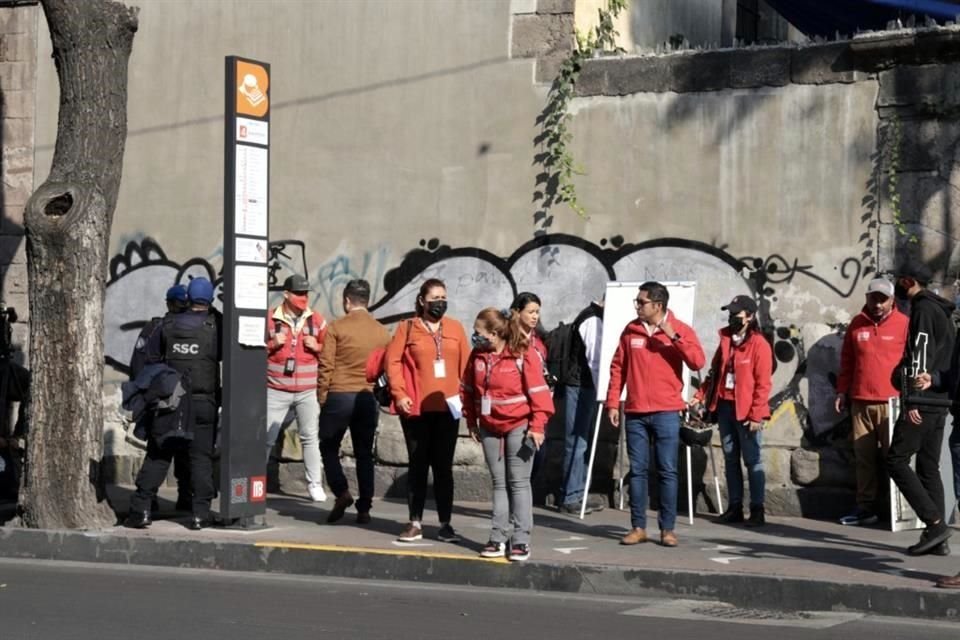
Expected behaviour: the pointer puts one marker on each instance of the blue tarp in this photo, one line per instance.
(826, 18)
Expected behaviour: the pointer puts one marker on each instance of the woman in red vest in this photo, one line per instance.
(507, 403)
(438, 350)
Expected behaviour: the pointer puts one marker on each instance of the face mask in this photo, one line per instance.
(480, 342)
(735, 323)
(436, 308)
(297, 301)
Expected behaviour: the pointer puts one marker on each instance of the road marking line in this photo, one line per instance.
(375, 551)
(727, 560)
(569, 539)
(719, 547)
(569, 550)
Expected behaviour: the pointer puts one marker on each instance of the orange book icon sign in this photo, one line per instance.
(253, 84)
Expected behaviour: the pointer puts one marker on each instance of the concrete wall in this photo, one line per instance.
(18, 83)
(404, 148)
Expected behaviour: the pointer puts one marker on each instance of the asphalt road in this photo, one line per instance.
(73, 601)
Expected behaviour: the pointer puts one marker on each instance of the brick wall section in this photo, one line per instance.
(18, 79)
(542, 29)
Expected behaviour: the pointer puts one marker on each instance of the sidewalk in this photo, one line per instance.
(791, 564)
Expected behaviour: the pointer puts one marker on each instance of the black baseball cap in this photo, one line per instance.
(296, 282)
(741, 303)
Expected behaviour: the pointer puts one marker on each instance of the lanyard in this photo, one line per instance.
(492, 361)
(294, 334)
(437, 338)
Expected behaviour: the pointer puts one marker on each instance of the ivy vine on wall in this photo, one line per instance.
(555, 183)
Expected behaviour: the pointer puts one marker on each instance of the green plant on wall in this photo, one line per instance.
(892, 140)
(555, 183)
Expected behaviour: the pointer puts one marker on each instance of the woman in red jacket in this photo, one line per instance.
(738, 389)
(507, 403)
(436, 347)
(526, 309)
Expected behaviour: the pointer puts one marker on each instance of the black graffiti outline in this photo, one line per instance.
(418, 260)
(777, 264)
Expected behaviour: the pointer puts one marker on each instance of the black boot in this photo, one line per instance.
(942, 549)
(196, 523)
(757, 517)
(733, 514)
(138, 520)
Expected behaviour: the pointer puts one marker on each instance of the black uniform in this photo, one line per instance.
(188, 342)
(181, 458)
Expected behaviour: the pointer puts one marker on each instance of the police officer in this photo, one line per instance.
(189, 343)
(177, 302)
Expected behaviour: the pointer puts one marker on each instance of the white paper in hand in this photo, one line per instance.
(455, 406)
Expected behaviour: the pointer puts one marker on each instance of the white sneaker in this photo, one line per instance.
(317, 494)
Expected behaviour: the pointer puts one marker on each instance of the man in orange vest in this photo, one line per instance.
(294, 343)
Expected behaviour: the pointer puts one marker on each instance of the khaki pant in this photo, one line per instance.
(870, 443)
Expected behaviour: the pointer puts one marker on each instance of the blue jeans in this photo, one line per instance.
(580, 403)
(738, 440)
(954, 443)
(663, 427)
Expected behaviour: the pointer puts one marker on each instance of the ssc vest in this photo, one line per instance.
(193, 353)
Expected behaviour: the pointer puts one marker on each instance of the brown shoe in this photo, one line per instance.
(363, 517)
(668, 538)
(410, 534)
(949, 582)
(636, 536)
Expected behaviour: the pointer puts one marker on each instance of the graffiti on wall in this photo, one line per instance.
(566, 271)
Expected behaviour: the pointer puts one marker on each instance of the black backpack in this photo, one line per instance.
(560, 343)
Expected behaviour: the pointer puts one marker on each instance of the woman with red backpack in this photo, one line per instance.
(507, 403)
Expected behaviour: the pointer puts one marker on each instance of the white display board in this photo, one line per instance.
(619, 310)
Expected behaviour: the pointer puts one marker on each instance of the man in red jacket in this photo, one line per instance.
(649, 363)
(872, 348)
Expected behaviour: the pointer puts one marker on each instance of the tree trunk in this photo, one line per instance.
(68, 223)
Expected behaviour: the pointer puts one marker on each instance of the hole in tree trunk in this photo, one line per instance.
(59, 206)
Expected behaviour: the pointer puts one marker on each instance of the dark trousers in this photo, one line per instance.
(922, 488)
(358, 412)
(954, 442)
(431, 440)
(199, 451)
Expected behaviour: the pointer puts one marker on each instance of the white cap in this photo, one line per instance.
(881, 285)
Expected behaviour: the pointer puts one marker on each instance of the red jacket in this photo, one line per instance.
(651, 367)
(304, 377)
(752, 375)
(871, 351)
(537, 344)
(519, 396)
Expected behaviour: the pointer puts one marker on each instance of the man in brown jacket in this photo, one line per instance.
(347, 399)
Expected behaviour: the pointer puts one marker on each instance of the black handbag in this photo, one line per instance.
(697, 430)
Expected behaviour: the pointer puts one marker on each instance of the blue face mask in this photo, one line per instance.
(480, 342)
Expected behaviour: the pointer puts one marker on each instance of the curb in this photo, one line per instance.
(742, 590)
